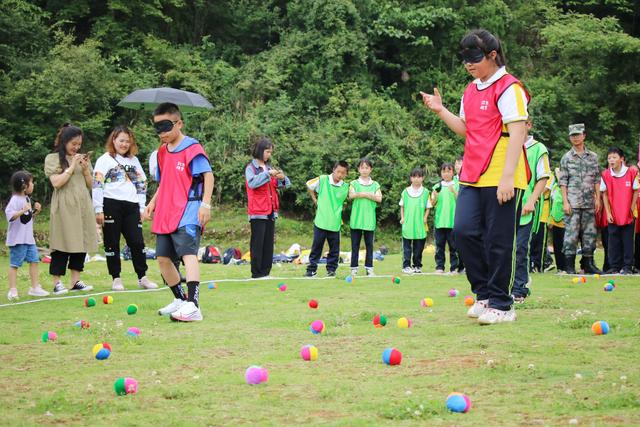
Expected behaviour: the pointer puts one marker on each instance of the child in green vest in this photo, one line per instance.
(366, 194)
(538, 159)
(331, 191)
(414, 210)
(556, 223)
(443, 198)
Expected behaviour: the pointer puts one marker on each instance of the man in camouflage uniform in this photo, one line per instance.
(580, 186)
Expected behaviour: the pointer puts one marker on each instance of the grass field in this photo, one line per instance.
(545, 369)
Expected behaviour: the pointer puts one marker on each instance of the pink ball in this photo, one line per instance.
(256, 375)
(317, 327)
(453, 292)
(130, 385)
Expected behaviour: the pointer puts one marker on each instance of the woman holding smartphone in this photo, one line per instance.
(72, 230)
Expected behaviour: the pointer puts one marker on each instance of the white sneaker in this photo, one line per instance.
(145, 283)
(369, 271)
(117, 284)
(13, 294)
(187, 313)
(38, 292)
(171, 308)
(493, 315)
(354, 272)
(478, 308)
(59, 289)
(439, 271)
(417, 270)
(407, 270)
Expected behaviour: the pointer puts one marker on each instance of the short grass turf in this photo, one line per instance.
(547, 368)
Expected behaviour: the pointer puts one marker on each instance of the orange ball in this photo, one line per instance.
(469, 300)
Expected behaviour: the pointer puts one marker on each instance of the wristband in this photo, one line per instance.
(205, 205)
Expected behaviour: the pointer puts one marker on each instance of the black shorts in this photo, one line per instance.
(184, 241)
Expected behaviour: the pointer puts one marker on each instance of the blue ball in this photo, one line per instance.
(349, 279)
(103, 354)
(457, 402)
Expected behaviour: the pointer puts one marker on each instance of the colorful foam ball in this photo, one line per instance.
(213, 286)
(609, 287)
(89, 302)
(404, 323)
(349, 279)
(282, 287)
(597, 276)
(392, 356)
(107, 299)
(426, 302)
(125, 385)
(256, 375)
(132, 309)
(313, 303)
(82, 324)
(49, 336)
(576, 280)
(317, 327)
(469, 301)
(600, 327)
(453, 292)
(612, 283)
(395, 280)
(101, 351)
(379, 321)
(458, 402)
(583, 279)
(133, 331)
(309, 353)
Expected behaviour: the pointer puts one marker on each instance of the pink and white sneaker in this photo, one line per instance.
(493, 315)
(478, 308)
(188, 312)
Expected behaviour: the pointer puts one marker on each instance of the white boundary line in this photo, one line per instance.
(12, 304)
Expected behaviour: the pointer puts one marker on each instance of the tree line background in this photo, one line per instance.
(325, 79)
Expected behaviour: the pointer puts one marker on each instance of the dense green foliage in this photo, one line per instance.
(326, 79)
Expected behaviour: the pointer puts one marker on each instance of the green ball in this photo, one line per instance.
(90, 302)
(132, 309)
(119, 388)
(396, 280)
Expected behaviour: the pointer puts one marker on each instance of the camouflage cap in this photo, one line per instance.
(576, 129)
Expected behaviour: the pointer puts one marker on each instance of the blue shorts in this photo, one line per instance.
(21, 253)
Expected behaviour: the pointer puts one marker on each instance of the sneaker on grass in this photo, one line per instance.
(478, 308)
(171, 307)
(81, 287)
(117, 284)
(59, 289)
(493, 315)
(145, 283)
(13, 294)
(38, 292)
(188, 312)
(369, 271)
(310, 273)
(417, 270)
(407, 270)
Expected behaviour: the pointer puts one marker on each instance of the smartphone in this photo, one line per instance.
(89, 154)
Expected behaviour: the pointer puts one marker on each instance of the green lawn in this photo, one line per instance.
(545, 369)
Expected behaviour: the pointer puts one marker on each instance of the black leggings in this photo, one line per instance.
(262, 237)
(122, 217)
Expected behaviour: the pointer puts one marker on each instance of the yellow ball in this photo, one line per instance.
(404, 323)
(597, 276)
(427, 302)
(96, 349)
(575, 280)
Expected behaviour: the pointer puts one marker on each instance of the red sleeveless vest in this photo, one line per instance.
(262, 200)
(620, 195)
(175, 182)
(484, 127)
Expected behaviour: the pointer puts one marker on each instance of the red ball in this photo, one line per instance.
(313, 303)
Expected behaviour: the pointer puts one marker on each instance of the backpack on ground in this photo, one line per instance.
(211, 255)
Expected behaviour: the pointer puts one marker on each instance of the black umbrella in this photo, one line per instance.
(148, 99)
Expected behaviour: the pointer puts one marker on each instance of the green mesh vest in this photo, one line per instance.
(330, 201)
(363, 211)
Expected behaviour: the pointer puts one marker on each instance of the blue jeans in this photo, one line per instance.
(23, 252)
(523, 236)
